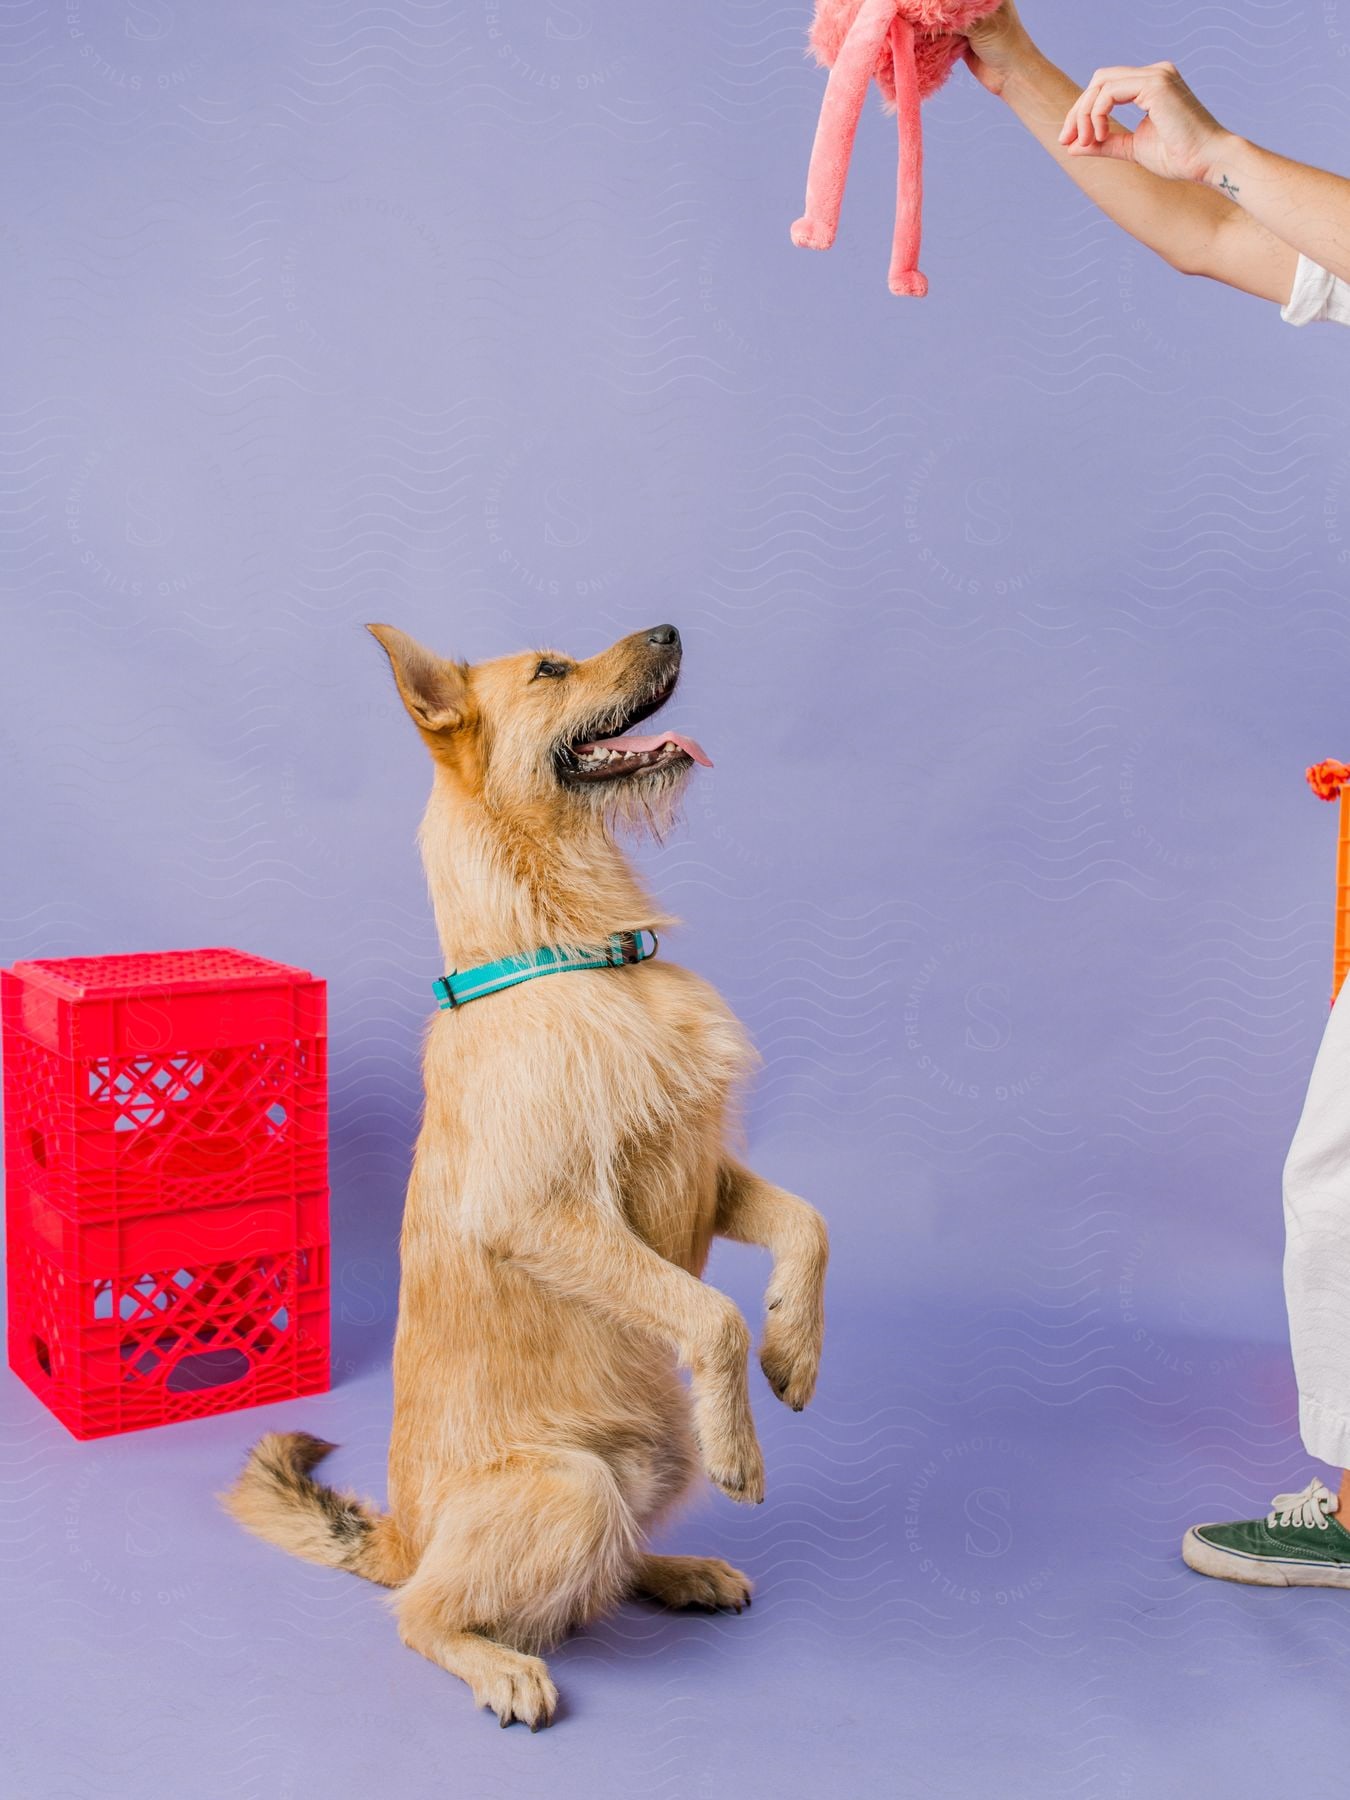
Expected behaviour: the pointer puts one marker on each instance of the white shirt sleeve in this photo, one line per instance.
(1317, 294)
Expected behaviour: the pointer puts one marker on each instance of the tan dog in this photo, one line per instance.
(569, 1176)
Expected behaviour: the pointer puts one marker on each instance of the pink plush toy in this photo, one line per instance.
(909, 47)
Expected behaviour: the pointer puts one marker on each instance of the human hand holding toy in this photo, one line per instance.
(996, 45)
(1202, 197)
(1166, 181)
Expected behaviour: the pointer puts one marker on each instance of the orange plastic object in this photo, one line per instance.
(1330, 780)
(166, 1184)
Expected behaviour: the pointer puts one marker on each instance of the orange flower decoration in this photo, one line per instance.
(1326, 779)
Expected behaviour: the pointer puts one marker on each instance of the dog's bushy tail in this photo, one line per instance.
(277, 1498)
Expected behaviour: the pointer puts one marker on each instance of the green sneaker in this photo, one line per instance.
(1297, 1544)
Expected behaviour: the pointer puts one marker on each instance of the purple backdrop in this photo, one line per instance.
(1012, 618)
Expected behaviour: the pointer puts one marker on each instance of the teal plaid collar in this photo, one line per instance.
(463, 985)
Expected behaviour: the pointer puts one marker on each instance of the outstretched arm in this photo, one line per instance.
(1193, 227)
(1307, 208)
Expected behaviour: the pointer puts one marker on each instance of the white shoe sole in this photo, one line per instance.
(1259, 1571)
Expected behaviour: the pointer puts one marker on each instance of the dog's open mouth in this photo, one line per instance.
(591, 757)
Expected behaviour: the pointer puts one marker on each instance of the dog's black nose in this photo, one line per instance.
(665, 636)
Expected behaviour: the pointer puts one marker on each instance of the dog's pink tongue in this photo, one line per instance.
(637, 744)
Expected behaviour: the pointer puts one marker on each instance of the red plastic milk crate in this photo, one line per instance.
(166, 1172)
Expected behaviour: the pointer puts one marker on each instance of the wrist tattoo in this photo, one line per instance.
(1227, 187)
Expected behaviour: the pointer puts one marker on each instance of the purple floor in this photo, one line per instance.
(1011, 619)
(967, 1580)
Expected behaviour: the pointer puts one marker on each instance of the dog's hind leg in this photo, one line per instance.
(704, 1581)
(521, 1552)
(656, 1476)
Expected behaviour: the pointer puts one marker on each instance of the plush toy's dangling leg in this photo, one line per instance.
(905, 277)
(845, 92)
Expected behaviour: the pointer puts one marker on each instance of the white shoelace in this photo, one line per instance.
(1306, 1509)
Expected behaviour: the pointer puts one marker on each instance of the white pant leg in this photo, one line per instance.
(1317, 1246)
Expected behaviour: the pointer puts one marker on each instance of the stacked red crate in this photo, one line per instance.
(166, 1172)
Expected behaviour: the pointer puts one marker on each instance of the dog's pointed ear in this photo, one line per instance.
(432, 689)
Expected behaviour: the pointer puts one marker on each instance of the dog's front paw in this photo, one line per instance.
(790, 1354)
(739, 1472)
(730, 1449)
(723, 1422)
